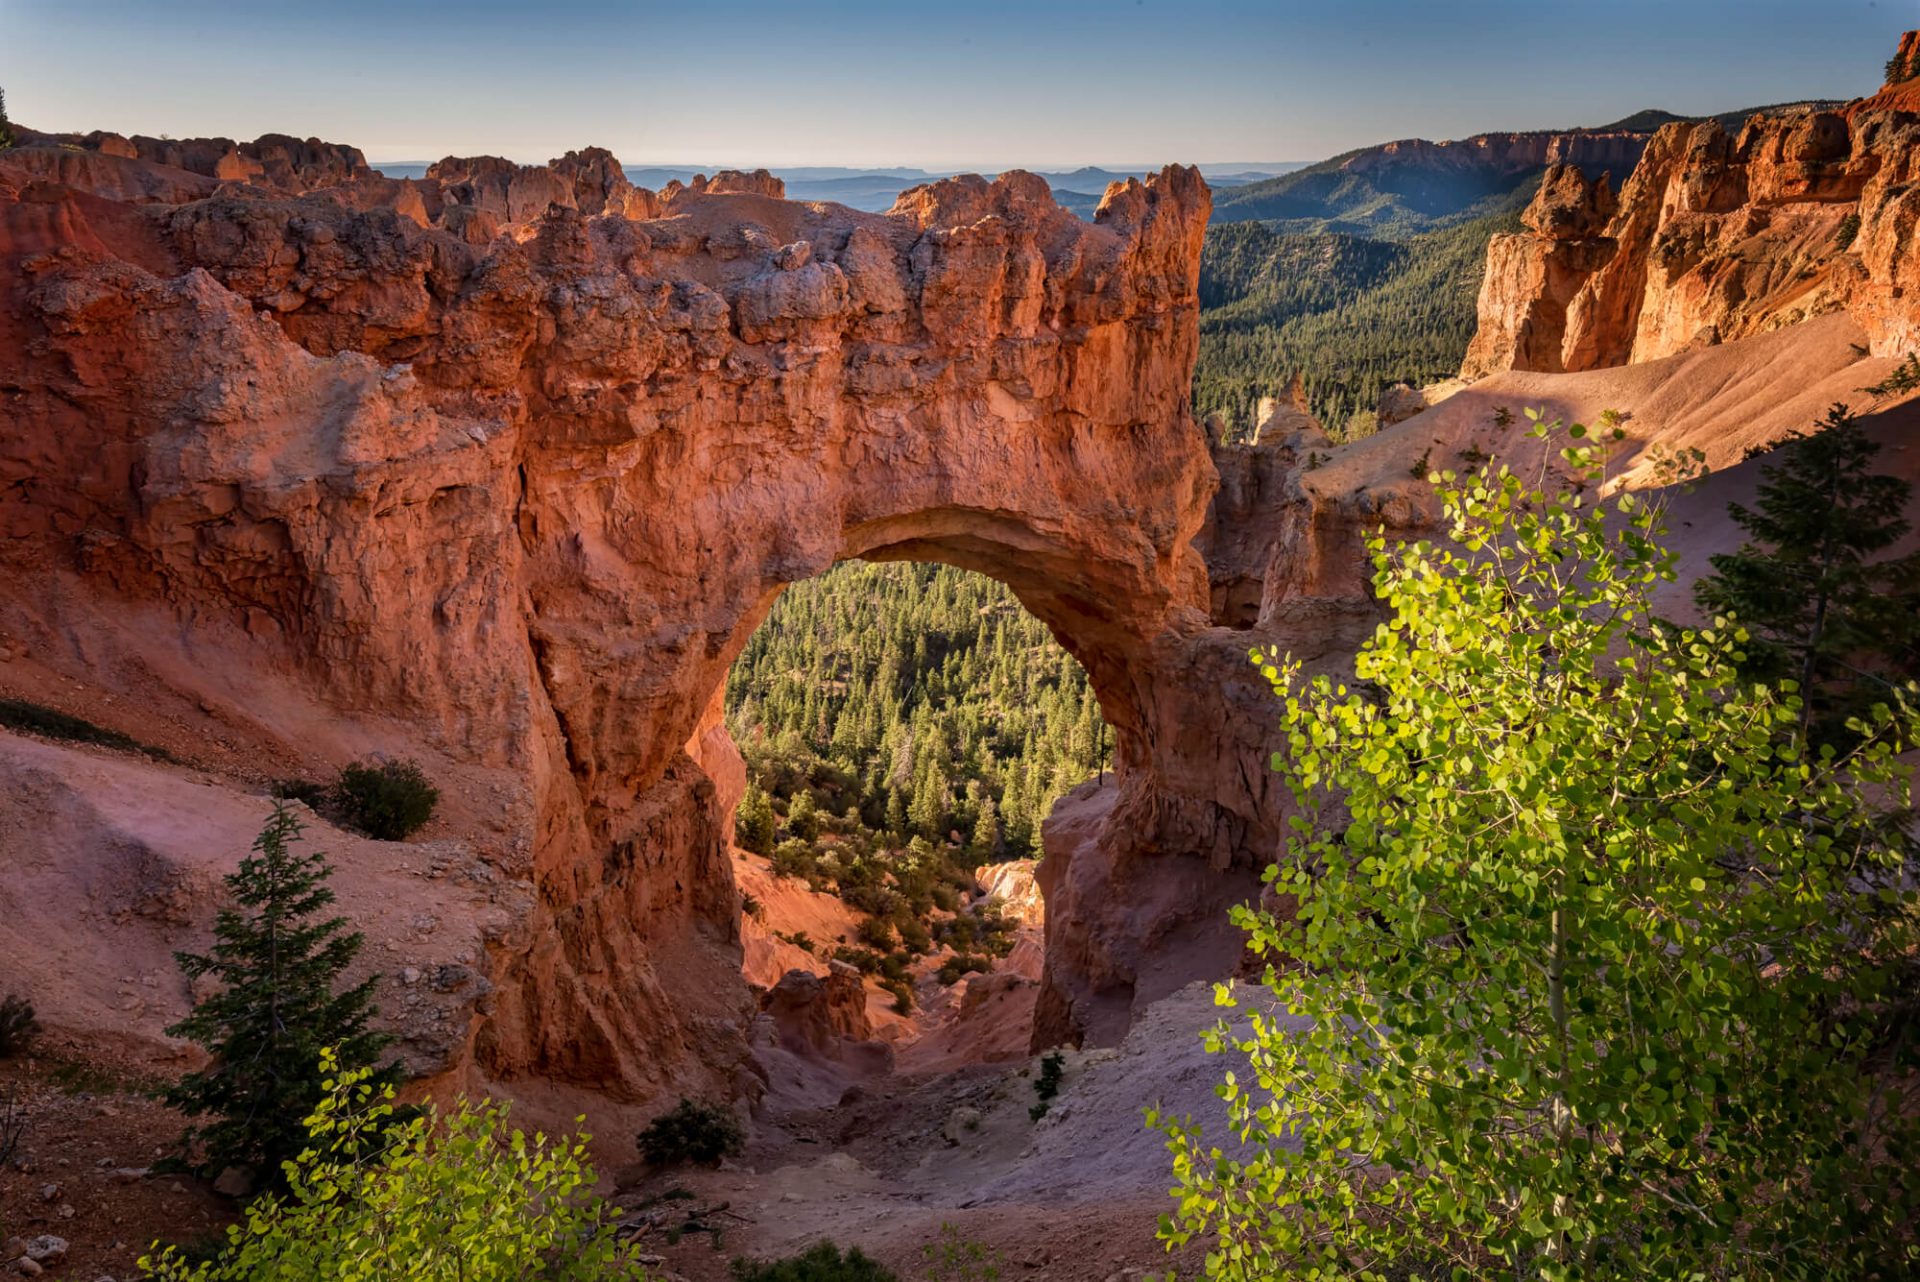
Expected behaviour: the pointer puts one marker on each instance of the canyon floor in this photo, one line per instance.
(903, 1162)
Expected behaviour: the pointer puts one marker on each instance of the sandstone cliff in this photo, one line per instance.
(1716, 235)
(332, 468)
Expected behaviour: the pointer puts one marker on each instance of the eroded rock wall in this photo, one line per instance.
(1716, 236)
(525, 490)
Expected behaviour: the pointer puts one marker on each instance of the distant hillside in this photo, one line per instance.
(1398, 189)
(1353, 315)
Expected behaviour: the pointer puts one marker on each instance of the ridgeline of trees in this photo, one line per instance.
(1352, 315)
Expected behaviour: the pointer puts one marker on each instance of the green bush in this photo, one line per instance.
(691, 1132)
(388, 802)
(952, 1258)
(18, 1027)
(821, 1263)
(34, 718)
(1847, 232)
(961, 964)
(272, 1010)
(1047, 1085)
(794, 858)
(440, 1197)
(876, 933)
(1589, 957)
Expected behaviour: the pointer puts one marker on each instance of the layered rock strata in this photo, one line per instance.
(1716, 236)
(517, 484)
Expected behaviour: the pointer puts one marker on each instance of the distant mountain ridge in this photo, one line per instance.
(1400, 188)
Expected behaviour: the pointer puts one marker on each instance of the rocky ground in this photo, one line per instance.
(900, 1163)
(907, 1161)
(79, 1197)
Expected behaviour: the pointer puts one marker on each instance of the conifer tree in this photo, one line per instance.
(276, 962)
(6, 126)
(753, 824)
(1820, 611)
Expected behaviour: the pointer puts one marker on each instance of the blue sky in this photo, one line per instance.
(973, 83)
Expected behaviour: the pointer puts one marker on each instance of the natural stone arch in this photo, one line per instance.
(527, 499)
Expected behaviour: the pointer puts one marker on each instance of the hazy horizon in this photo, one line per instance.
(860, 84)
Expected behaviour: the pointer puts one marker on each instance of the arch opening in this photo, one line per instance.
(905, 723)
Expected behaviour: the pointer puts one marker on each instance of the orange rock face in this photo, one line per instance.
(1715, 237)
(526, 496)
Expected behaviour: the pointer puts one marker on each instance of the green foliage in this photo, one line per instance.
(1900, 69)
(272, 1009)
(1047, 1085)
(389, 801)
(6, 126)
(823, 1262)
(1587, 961)
(691, 1132)
(753, 821)
(440, 1197)
(18, 1027)
(920, 685)
(1904, 378)
(34, 718)
(901, 725)
(1847, 232)
(1822, 611)
(1352, 316)
(952, 1258)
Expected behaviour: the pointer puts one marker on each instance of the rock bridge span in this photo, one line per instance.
(521, 492)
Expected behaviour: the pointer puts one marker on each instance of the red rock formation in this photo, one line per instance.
(1716, 237)
(273, 161)
(528, 497)
(1533, 276)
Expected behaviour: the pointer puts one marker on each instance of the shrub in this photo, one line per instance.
(821, 1263)
(1562, 887)
(753, 822)
(914, 937)
(439, 1197)
(1847, 232)
(1047, 1085)
(865, 960)
(793, 858)
(34, 718)
(273, 1010)
(18, 1027)
(952, 1258)
(902, 990)
(750, 906)
(876, 933)
(954, 967)
(388, 802)
(691, 1132)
